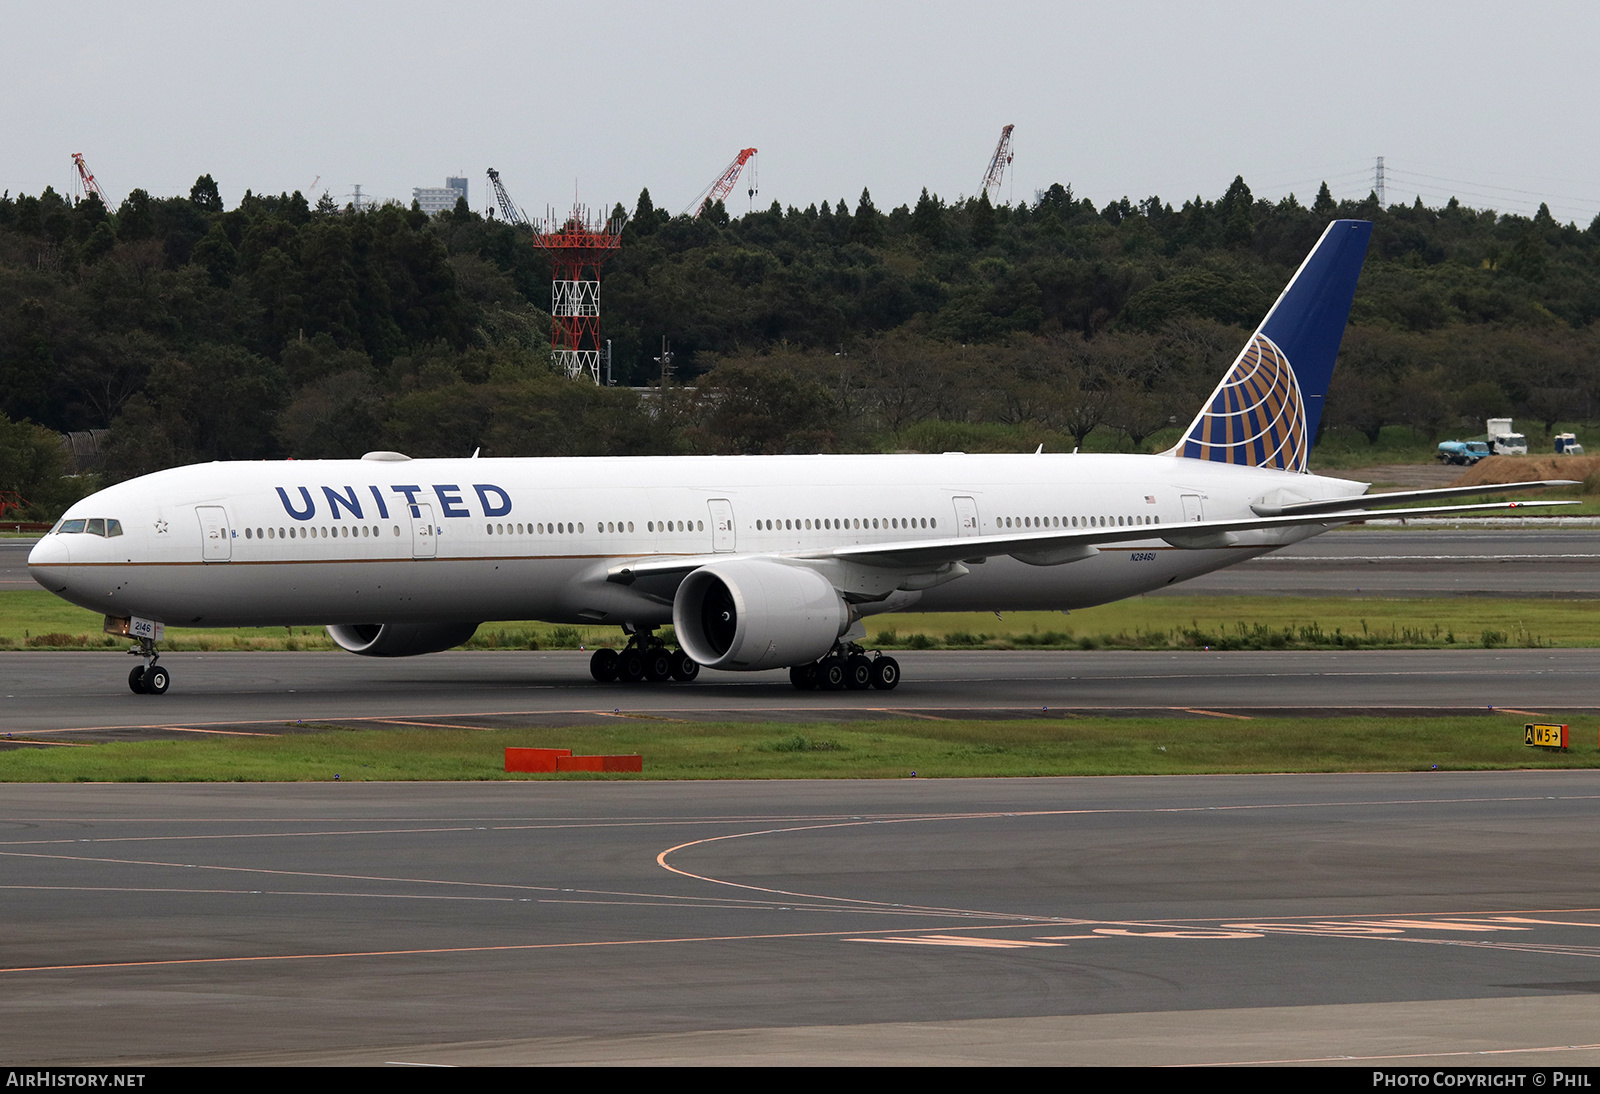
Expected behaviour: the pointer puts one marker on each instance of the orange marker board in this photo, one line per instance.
(600, 763)
(538, 760)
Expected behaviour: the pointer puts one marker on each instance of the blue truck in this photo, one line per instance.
(1463, 453)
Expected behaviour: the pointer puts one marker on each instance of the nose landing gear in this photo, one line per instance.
(148, 678)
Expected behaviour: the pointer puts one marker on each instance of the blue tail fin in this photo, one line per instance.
(1265, 411)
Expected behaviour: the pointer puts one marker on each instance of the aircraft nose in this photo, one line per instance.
(48, 561)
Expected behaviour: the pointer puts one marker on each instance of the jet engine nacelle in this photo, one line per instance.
(400, 639)
(751, 614)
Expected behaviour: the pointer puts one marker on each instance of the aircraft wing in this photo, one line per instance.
(1054, 548)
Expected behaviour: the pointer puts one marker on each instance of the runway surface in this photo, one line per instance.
(1357, 562)
(84, 696)
(1403, 919)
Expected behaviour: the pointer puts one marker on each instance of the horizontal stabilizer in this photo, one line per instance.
(1398, 497)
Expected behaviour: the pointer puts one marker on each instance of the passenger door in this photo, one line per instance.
(722, 530)
(424, 534)
(216, 539)
(966, 516)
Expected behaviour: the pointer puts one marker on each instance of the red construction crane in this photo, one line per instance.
(723, 186)
(998, 163)
(90, 186)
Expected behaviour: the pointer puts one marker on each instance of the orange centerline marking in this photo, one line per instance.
(609, 943)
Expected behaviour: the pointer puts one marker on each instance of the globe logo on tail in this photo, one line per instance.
(1256, 417)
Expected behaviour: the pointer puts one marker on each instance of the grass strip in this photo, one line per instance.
(38, 620)
(1069, 745)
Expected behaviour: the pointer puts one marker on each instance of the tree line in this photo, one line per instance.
(285, 328)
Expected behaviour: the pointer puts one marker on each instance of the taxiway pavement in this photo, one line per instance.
(1421, 919)
(84, 696)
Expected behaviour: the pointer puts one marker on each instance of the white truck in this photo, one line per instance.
(1504, 440)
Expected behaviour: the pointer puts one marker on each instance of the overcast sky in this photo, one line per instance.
(1494, 102)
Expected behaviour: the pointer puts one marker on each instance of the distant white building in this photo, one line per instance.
(439, 199)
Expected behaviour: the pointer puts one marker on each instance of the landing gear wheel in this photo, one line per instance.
(136, 680)
(830, 674)
(630, 666)
(658, 666)
(803, 677)
(684, 667)
(885, 673)
(603, 665)
(156, 680)
(858, 672)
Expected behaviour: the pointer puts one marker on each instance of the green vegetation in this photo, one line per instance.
(38, 620)
(1069, 745)
(1247, 622)
(284, 327)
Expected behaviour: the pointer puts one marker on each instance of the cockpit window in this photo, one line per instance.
(94, 526)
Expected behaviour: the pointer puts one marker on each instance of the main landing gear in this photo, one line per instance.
(847, 666)
(148, 678)
(645, 659)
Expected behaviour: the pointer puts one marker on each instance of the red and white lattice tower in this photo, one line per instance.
(578, 244)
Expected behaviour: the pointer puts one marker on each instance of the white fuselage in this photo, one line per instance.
(414, 541)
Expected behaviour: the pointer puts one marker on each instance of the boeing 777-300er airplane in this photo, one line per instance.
(758, 562)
